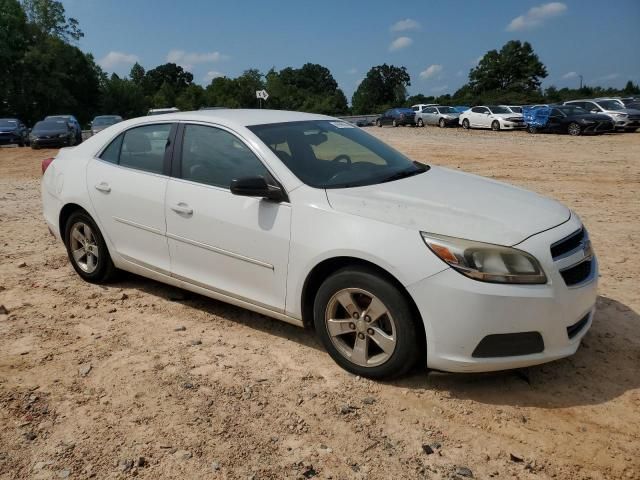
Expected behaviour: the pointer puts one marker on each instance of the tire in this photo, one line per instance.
(97, 266)
(34, 147)
(465, 124)
(531, 129)
(495, 126)
(630, 130)
(420, 123)
(442, 123)
(397, 325)
(574, 129)
(394, 123)
(378, 123)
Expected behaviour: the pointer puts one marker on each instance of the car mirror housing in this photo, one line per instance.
(257, 187)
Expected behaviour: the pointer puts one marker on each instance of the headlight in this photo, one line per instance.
(622, 115)
(62, 135)
(484, 261)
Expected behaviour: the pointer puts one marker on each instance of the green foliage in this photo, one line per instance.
(515, 68)
(384, 86)
(50, 19)
(123, 97)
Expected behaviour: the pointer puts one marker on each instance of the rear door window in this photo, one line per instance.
(143, 148)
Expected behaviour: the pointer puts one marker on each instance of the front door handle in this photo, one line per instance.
(103, 187)
(182, 209)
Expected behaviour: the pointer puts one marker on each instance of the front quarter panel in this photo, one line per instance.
(319, 233)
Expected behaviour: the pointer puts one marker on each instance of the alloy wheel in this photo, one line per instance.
(84, 247)
(360, 327)
(442, 123)
(574, 129)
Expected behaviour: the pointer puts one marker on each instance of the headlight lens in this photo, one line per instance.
(62, 135)
(486, 262)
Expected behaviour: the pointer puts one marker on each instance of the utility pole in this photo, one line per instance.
(580, 81)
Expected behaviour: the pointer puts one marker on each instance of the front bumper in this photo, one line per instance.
(50, 142)
(459, 312)
(506, 125)
(9, 138)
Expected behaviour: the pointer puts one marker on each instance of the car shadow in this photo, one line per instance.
(605, 367)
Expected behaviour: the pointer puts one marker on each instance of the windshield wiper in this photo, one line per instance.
(408, 172)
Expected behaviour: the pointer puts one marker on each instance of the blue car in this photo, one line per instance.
(397, 117)
(13, 130)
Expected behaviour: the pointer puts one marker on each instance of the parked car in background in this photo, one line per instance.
(566, 119)
(397, 117)
(393, 261)
(101, 122)
(13, 131)
(440, 115)
(73, 123)
(461, 108)
(52, 133)
(624, 118)
(419, 108)
(494, 117)
(162, 111)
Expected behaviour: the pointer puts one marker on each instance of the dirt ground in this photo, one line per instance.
(141, 379)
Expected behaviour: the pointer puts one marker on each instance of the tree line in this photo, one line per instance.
(44, 72)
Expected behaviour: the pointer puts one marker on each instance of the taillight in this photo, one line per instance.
(45, 164)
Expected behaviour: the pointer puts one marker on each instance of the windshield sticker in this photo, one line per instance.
(342, 124)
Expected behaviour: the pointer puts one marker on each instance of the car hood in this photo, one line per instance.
(8, 129)
(40, 133)
(507, 115)
(453, 203)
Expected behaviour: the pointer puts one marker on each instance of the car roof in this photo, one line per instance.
(238, 117)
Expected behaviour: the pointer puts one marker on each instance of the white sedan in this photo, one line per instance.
(310, 220)
(495, 117)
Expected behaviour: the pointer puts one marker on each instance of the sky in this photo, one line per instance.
(437, 41)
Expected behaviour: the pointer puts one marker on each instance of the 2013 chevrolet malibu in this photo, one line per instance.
(310, 220)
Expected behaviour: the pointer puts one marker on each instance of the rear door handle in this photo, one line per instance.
(103, 187)
(182, 209)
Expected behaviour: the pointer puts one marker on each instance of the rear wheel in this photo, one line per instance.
(442, 123)
(366, 324)
(495, 125)
(420, 123)
(465, 124)
(378, 123)
(394, 123)
(87, 249)
(532, 129)
(574, 129)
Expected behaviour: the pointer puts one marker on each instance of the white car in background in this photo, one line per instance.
(311, 220)
(495, 117)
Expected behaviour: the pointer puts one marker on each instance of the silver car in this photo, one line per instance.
(626, 119)
(438, 115)
(101, 122)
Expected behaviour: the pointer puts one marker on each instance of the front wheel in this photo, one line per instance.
(574, 129)
(87, 249)
(465, 124)
(420, 123)
(531, 129)
(395, 124)
(442, 123)
(495, 125)
(378, 123)
(366, 324)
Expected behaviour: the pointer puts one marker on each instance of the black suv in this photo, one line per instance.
(13, 130)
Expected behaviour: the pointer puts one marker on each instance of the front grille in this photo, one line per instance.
(577, 327)
(578, 273)
(567, 244)
(509, 345)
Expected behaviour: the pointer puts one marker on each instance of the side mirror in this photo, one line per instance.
(257, 187)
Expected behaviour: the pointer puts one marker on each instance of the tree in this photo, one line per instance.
(122, 97)
(383, 87)
(50, 18)
(514, 67)
(137, 73)
(13, 44)
(631, 89)
(172, 79)
(192, 98)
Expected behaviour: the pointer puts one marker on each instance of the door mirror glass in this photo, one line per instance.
(256, 187)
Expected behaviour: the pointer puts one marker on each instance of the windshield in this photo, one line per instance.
(104, 121)
(447, 110)
(570, 110)
(516, 109)
(495, 109)
(334, 154)
(610, 105)
(7, 122)
(50, 125)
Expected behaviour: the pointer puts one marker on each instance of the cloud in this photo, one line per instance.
(189, 59)
(569, 75)
(431, 71)
(536, 16)
(400, 43)
(212, 74)
(114, 59)
(404, 25)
